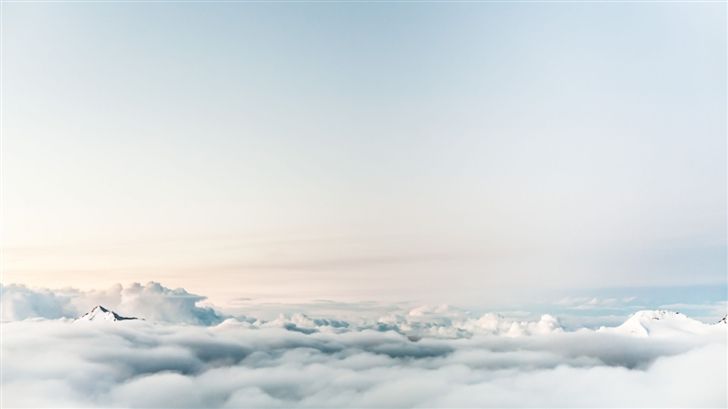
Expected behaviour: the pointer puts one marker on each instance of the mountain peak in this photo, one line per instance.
(658, 323)
(100, 313)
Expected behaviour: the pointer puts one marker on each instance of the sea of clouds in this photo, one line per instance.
(185, 355)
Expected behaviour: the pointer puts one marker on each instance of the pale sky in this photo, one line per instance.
(446, 152)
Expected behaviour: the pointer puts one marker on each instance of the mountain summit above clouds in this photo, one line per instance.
(659, 323)
(99, 313)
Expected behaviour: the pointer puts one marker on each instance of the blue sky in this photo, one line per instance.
(473, 152)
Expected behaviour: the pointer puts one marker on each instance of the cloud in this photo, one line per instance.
(142, 364)
(157, 303)
(184, 355)
(151, 301)
(693, 379)
(19, 302)
(590, 303)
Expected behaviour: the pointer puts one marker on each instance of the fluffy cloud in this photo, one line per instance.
(588, 303)
(429, 356)
(151, 301)
(18, 302)
(157, 303)
(142, 364)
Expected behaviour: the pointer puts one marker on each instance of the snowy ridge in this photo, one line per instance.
(648, 323)
(99, 313)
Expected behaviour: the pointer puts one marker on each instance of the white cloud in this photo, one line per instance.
(142, 364)
(157, 303)
(424, 357)
(693, 379)
(589, 303)
(19, 302)
(151, 301)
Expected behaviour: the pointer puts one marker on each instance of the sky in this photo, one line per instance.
(468, 153)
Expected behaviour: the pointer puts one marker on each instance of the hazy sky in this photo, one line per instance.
(464, 152)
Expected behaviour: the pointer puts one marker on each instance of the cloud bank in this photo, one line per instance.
(151, 301)
(427, 357)
(141, 364)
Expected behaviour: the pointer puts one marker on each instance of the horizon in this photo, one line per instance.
(573, 309)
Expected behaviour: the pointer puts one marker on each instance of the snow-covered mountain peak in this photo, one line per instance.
(658, 323)
(99, 313)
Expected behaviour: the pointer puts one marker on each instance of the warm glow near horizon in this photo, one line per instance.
(450, 154)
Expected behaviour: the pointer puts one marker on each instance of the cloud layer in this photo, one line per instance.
(141, 364)
(427, 357)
